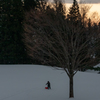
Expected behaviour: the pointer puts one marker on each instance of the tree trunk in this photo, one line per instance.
(71, 92)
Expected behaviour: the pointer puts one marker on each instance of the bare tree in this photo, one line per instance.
(95, 17)
(84, 11)
(53, 40)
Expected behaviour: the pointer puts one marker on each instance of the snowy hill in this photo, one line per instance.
(98, 65)
(27, 82)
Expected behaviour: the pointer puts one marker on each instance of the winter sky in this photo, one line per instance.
(86, 1)
(95, 5)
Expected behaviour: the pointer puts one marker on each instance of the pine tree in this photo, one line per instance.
(5, 30)
(74, 15)
(28, 4)
(96, 41)
(98, 50)
(11, 47)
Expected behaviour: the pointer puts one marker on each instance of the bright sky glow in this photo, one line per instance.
(95, 4)
(86, 1)
(94, 7)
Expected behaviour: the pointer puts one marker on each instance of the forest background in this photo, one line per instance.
(12, 48)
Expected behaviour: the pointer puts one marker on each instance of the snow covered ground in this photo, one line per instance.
(98, 65)
(27, 82)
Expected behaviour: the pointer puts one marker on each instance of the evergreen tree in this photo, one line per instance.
(74, 15)
(28, 4)
(11, 46)
(98, 50)
(60, 8)
(96, 41)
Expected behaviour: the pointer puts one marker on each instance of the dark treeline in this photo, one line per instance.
(12, 49)
(12, 15)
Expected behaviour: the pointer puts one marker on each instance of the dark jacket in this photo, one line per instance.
(48, 84)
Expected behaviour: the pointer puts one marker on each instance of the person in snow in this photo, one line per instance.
(48, 85)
